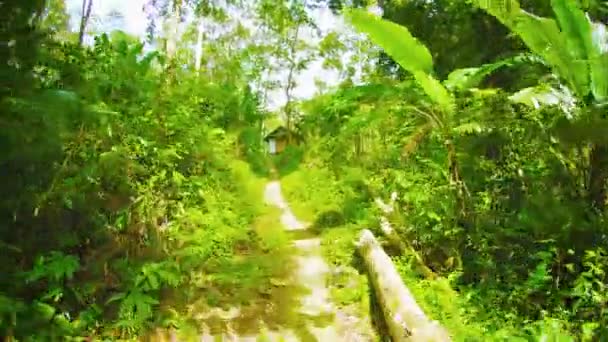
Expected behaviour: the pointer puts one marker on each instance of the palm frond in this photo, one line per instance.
(394, 39)
(406, 50)
(466, 78)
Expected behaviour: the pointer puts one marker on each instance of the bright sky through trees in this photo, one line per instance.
(134, 21)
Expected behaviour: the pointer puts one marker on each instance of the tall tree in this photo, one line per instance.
(87, 7)
(206, 10)
(287, 22)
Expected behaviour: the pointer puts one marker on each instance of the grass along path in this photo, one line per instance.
(299, 307)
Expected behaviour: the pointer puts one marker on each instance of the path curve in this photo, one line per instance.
(312, 273)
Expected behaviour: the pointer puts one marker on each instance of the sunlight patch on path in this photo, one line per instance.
(273, 196)
(312, 270)
(312, 273)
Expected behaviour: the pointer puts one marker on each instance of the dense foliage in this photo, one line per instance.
(505, 200)
(124, 193)
(132, 176)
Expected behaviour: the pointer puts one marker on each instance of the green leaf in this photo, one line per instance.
(437, 92)
(463, 78)
(45, 310)
(394, 39)
(62, 322)
(543, 96)
(466, 78)
(171, 278)
(599, 77)
(56, 266)
(68, 203)
(54, 293)
(178, 178)
(413, 56)
(505, 11)
(543, 37)
(598, 62)
(576, 28)
(154, 284)
(115, 297)
(467, 128)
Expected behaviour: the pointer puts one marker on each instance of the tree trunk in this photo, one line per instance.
(288, 104)
(358, 143)
(199, 47)
(87, 6)
(455, 179)
(291, 83)
(404, 318)
(173, 33)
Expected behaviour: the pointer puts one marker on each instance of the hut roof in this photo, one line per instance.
(278, 132)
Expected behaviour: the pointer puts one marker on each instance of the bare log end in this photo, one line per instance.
(432, 332)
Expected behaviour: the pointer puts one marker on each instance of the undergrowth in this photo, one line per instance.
(458, 309)
(132, 174)
(130, 196)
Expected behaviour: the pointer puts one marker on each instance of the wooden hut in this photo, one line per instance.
(277, 139)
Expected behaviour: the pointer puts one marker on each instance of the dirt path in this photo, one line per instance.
(312, 272)
(305, 310)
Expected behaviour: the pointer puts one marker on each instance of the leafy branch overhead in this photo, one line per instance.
(397, 41)
(575, 47)
(411, 55)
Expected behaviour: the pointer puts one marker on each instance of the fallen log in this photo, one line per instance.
(396, 241)
(404, 318)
